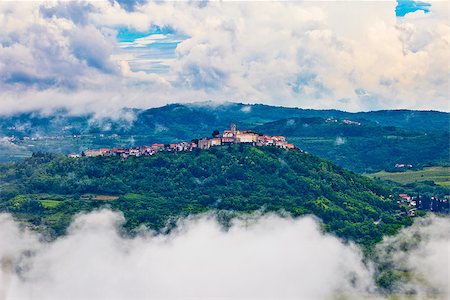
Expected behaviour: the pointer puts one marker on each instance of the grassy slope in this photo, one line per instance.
(439, 175)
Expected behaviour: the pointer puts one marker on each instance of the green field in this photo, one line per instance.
(98, 197)
(50, 203)
(440, 175)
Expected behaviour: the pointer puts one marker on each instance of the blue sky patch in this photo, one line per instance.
(408, 6)
(126, 34)
(149, 51)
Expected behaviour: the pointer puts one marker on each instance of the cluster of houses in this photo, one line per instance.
(435, 204)
(345, 121)
(234, 136)
(403, 166)
(228, 137)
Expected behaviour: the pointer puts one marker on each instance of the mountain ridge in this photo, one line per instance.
(178, 122)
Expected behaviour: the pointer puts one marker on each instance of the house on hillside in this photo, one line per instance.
(134, 152)
(204, 143)
(405, 197)
(216, 141)
(121, 152)
(403, 166)
(246, 137)
(412, 212)
(105, 151)
(279, 138)
(350, 122)
(158, 147)
(265, 140)
(228, 137)
(91, 153)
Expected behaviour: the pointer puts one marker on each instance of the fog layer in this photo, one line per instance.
(266, 257)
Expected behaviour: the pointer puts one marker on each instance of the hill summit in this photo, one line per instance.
(46, 189)
(228, 137)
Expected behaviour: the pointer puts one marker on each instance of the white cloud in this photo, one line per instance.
(246, 109)
(423, 250)
(340, 141)
(258, 257)
(292, 53)
(154, 38)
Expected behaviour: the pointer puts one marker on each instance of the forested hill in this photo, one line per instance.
(181, 121)
(363, 146)
(46, 190)
(404, 136)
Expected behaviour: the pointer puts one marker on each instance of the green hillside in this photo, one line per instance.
(363, 146)
(153, 190)
(383, 138)
(175, 120)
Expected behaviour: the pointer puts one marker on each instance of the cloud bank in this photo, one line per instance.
(265, 257)
(422, 251)
(101, 56)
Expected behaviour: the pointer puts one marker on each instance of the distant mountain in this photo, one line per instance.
(257, 114)
(204, 116)
(64, 133)
(45, 190)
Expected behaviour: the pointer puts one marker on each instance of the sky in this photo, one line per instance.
(258, 257)
(102, 56)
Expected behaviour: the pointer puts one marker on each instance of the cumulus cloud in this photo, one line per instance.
(258, 257)
(291, 53)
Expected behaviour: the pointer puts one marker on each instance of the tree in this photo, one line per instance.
(215, 133)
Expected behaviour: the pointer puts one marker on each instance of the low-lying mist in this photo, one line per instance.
(258, 257)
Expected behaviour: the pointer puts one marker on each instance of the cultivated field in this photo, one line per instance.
(440, 175)
(98, 197)
(50, 203)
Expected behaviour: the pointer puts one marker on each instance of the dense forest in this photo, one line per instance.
(46, 190)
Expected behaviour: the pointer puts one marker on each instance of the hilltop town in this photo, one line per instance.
(227, 137)
(234, 136)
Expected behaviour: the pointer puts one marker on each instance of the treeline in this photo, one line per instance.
(154, 190)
